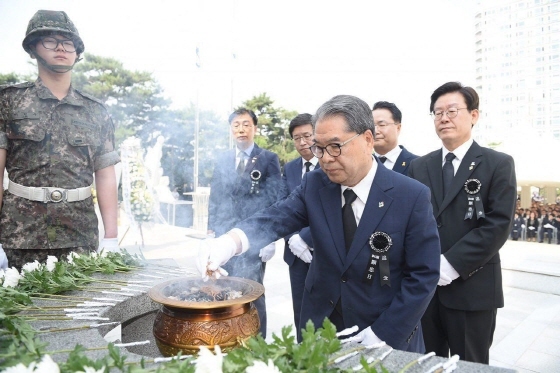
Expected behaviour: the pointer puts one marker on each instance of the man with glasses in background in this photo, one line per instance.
(474, 195)
(375, 243)
(387, 118)
(245, 180)
(53, 140)
(299, 245)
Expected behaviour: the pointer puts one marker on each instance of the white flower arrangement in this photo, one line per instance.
(46, 365)
(208, 362)
(260, 367)
(51, 263)
(11, 278)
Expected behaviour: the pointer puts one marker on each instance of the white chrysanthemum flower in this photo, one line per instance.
(103, 253)
(71, 257)
(207, 362)
(92, 370)
(260, 367)
(11, 278)
(47, 365)
(30, 267)
(20, 368)
(93, 254)
(51, 262)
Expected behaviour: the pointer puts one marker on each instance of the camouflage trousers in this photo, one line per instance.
(17, 258)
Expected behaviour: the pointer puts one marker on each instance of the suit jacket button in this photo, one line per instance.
(439, 225)
(344, 279)
(331, 302)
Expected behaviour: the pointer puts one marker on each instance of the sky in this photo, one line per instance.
(301, 53)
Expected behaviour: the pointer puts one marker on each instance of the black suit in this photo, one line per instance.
(231, 201)
(403, 161)
(472, 247)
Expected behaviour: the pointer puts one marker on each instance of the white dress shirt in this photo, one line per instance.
(459, 154)
(391, 156)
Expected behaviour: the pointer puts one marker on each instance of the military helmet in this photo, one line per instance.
(48, 22)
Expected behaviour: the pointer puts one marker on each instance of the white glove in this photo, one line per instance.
(446, 272)
(523, 226)
(366, 337)
(299, 248)
(267, 252)
(3, 259)
(110, 245)
(213, 253)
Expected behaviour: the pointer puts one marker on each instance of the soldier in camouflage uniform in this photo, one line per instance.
(53, 139)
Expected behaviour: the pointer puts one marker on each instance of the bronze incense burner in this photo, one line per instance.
(196, 313)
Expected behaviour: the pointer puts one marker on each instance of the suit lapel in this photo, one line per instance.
(378, 203)
(295, 172)
(401, 162)
(468, 165)
(331, 202)
(434, 169)
(252, 161)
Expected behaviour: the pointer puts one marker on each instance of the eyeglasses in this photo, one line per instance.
(334, 150)
(451, 113)
(383, 124)
(52, 43)
(305, 137)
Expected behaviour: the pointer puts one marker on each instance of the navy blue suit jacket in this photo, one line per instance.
(398, 206)
(403, 161)
(231, 199)
(292, 179)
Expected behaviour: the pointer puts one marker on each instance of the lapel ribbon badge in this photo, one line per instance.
(380, 243)
(472, 187)
(255, 180)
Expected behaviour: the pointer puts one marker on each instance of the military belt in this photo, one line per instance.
(49, 194)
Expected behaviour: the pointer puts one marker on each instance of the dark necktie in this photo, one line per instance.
(382, 159)
(348, 218)
(448, 172)
(241, 164)
(308, 166)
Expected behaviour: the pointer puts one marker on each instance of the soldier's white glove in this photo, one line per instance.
(109, 245)
(214, 253)
(446, 272)
(267, 252)
(299, 248)
(366, 337)
(3, 259)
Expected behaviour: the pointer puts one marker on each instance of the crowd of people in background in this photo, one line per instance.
(539, 223)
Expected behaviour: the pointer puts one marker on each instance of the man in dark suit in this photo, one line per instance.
(376, 248)
(299, 245)
(473, 195)
(387, 118)
(245, 180)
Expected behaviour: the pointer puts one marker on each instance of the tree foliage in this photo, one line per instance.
(134, 98)
(273, 126)
(10, 78)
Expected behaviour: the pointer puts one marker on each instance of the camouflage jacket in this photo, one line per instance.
(52, 143)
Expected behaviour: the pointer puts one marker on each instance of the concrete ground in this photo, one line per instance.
(527, 336)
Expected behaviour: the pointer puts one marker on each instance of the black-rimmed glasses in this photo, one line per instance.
(334, 150)
(52, 43)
